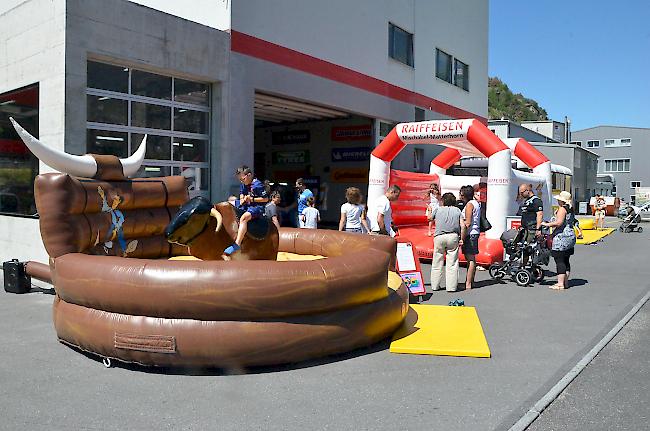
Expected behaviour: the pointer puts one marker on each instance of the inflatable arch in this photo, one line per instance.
(466, 138)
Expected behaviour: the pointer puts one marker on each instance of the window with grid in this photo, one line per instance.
(124, 104)
(461, 75)
(624, 142)
(635, 184)
(18, 166)
(593, 144)
(617, 165)
(444, 66)
(400, 44)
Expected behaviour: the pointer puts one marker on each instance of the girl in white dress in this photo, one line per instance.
(433, 196)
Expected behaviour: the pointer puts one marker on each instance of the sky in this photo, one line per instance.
(588, 60)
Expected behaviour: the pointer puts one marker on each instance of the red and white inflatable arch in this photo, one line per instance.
(464, 138)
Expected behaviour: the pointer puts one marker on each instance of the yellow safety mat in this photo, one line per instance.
(591, 236)
(587, 223)
(441, 330)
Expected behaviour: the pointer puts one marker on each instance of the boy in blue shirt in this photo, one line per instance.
(252, 199)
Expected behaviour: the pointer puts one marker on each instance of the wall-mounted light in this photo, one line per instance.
(109, 138)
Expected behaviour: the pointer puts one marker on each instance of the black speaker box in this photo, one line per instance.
(15, 278)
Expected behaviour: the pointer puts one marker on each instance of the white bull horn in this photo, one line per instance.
(78, 166)
(131, 165)
(216, 214)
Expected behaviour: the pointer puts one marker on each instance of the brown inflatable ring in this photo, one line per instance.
(228, 344)
(218, 290)
(232, 314)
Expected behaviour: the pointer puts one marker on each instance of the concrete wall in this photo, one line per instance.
(508, 129)
(211, 13)
(638, 153)
(355, 35)
(49, 42)
(32, 50)
(550, 129)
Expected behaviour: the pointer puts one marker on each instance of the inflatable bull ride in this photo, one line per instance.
(124, 291)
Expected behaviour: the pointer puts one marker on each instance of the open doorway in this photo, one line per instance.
(328, 148)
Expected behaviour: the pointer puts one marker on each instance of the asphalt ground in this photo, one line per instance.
(613, 391)
(536, 336)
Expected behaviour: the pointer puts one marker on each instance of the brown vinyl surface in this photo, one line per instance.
(230, 343)
(109, 167)
(72, 221)
(218, 290)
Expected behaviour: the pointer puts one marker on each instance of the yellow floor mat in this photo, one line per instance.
(591, 236)
(441, 330)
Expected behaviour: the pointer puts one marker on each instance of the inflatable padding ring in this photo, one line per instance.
(232, 314)
(228, 344)
(218, 290)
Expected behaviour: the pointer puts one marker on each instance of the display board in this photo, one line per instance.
(408, 267)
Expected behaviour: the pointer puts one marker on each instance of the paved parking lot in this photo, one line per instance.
(535, 334)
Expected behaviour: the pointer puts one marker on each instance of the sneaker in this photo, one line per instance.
(231, 249)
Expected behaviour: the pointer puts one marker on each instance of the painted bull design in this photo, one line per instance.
(207, 230)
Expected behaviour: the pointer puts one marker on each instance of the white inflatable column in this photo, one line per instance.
(435, 169)
(378, 178)
(499, 191)
(544, 170)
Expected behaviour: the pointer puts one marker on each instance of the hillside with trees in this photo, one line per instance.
(503, 103)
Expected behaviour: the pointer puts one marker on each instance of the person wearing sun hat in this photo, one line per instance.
(564, 238)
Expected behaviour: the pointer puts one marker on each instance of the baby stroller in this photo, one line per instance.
(515, 247)
(632, 220)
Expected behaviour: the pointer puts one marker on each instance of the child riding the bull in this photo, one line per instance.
(253, 196)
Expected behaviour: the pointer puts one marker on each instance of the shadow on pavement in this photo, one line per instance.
(214, 371)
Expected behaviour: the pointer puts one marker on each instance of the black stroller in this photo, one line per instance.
(631, 220)
(515, 247)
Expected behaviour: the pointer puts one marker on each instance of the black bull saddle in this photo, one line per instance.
(192, 219)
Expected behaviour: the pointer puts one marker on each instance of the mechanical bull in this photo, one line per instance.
(207, 230)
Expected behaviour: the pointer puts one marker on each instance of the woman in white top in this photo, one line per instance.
(352, 219)
(472, 220)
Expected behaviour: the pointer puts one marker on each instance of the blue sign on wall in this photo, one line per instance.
(354, 154)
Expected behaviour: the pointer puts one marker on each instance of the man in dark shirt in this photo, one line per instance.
(531, 211)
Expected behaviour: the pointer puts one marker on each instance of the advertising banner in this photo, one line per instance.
(642, 196)
(349, 175)
(291, 137)
(352, 133)
(290, 157)
(354, 154)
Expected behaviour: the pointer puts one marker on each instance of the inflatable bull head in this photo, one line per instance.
(207, 230)
(101, 167)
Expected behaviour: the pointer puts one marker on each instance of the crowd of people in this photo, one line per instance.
(455, 224)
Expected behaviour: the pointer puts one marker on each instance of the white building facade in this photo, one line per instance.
(295, 89)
